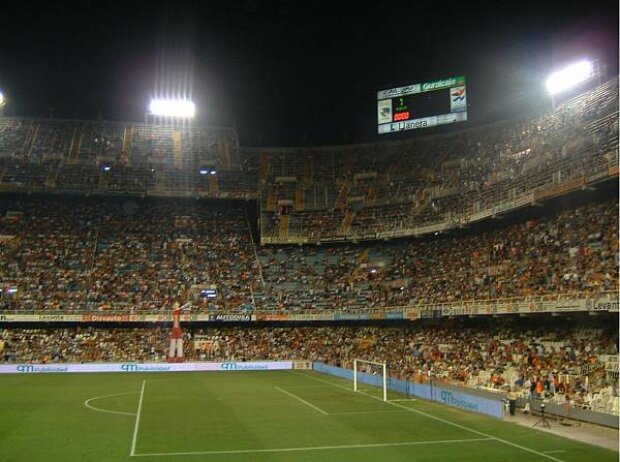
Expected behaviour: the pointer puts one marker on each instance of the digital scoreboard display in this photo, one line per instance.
(422, 105)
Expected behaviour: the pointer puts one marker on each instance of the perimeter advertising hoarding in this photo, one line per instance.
(121, 317)
(450, 397)
(144, 367)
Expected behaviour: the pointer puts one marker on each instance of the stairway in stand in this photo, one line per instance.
(284, 222)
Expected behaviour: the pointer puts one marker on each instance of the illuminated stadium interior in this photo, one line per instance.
(433, 279)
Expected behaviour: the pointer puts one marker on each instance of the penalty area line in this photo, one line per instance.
(312, 448)
(137, 425)
(301, 400)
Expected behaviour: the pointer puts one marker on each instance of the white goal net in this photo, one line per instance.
(370, 372)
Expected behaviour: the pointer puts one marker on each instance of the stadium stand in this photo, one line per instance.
(495, 357)
(39, 155)
(572, 252)
(400, 188)
(134, 254)
(75, 253)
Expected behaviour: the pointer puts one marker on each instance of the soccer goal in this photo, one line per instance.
(371, 372)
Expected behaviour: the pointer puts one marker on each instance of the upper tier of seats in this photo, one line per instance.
(114, 157)
(370, 191)
(398, 188)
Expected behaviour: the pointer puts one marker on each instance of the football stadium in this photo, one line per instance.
(433, 277)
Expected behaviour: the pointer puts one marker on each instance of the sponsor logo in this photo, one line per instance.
(29, 368)
(244, 366)
(24, 368)
(400, 126)
(438, 84)
(448, 398)
(400, 91)
(351, 316)
(603, 305)
(51, 317)
(230, 317)
(458, 94)
(106, 317)
(145, 368)
(228, 366)
(129, 367)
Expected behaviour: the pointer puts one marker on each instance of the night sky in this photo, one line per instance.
(290, 73)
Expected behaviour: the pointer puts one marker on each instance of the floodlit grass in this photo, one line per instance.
(250, 416)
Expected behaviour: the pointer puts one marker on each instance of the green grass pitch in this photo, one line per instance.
(250, 416)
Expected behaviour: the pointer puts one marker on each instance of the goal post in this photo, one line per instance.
(358, 363)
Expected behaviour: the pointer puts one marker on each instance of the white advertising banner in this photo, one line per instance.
(422, 122)
(144, 367)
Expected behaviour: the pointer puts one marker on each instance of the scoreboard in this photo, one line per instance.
(422, 105)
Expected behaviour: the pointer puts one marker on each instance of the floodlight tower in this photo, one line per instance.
(569, 77)
(1, 103)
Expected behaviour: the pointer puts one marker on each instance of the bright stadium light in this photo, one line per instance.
(179, 108)
(569, 77)
(1, 99)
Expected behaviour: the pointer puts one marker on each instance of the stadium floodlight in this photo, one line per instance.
(569, 77)
(1, 99)
(178, 108)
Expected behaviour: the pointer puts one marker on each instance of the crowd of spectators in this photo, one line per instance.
(550, 361)
(110, 157)
(402, 185)
(124, 254)
(572, 252)
(85, 253)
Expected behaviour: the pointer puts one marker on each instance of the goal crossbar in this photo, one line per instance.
(357, 362)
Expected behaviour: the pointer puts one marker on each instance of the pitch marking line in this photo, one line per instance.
(439, 419)
(109, 411)
(405, 399)
(384, 411)
(137, 425)
(311, 448)
(557, 451)
(316, 408)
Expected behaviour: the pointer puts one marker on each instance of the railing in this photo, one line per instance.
(550, 303)
(509, 198)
